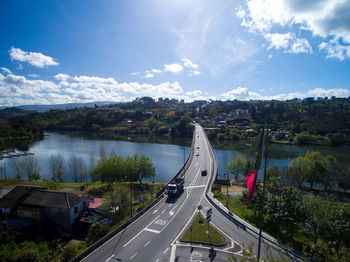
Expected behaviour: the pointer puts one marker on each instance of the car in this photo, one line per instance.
(197, 153)
(197, 147)
(204, 172)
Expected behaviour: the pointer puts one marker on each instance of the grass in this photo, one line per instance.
(236, 206)
(198, 233)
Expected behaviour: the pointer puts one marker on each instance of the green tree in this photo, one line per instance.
(56, 164)
(297, 170)
(96, 232)
(344, 179)
(317, 171)
(109, 170)
(287, 209)
(327, 219)
(237, 166)
(146, 170)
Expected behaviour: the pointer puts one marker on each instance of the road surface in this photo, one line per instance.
(154, 236)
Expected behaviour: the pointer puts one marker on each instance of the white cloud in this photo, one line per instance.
(149, 75)
(300, 46)
(335, 50)
(35, 59)
(328, 19)
(61, 77)
(288, 42)
(195, 93)
(270, 56)
(174, 68)
(33, 75)
(242, 93)
(135, 73)
(156, 71)
(278, 41)
(188, 63)
(196, 72)
(5, 70)
(16, 90)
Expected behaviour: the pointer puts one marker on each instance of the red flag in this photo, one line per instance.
(251, 182)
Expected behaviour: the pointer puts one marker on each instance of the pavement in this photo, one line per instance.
(154, 236)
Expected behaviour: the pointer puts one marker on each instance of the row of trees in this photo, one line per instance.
(117, 169)
(321, 219)
(313, 168)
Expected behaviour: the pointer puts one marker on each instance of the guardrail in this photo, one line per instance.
(244, 225)
(159, 196)
(182, 171)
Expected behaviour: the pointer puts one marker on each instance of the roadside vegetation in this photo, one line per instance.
(200, 232)
(118, 180)
(303, 209)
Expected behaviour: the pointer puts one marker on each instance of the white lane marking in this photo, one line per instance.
(196, 164)
(157, 260)
(147, 243)
(163, 211)
(189, 187)
(166, 250)
(139, 232)
(155, 211)
(152, 230)
(134, 255)
(172, 253)
(109, 258)
(160, 204)
(172, 211)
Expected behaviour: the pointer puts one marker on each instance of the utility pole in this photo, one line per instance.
(263, 195)
(130, 193)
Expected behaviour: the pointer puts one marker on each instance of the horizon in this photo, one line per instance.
(65, 52)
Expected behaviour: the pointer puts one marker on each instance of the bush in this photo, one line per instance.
(96, 232)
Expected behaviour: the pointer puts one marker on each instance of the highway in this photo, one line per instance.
(154, 235)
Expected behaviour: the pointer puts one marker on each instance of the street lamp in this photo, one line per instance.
(125, 178)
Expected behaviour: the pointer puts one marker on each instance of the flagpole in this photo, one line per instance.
(263, 195)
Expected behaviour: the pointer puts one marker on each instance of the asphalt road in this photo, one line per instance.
(150, 238)
(154, 236)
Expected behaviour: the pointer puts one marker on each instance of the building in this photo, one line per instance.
(37, 204)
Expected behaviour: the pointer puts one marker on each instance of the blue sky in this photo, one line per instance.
(55, 52)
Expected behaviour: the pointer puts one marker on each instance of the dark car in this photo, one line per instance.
(204, 172)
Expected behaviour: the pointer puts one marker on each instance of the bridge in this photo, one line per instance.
(153, 234)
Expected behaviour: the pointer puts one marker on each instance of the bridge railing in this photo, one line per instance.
(159, 196)
(185, 167)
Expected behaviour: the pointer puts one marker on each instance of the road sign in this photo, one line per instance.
(208, 218)
(209, 211)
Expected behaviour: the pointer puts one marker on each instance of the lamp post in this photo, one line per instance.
(125, 179)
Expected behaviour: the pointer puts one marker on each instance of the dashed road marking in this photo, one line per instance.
(152, 230)
(147, 243)
(163, 211)
(134, 255)
(109, 258)
(155, 211)
(166, 250)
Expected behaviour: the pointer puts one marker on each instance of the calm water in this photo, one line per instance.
(167, 158)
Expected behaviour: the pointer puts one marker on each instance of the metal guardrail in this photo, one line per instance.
(159, 196)
(289, 253)
(181, 172)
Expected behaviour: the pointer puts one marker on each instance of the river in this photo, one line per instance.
(167, 158)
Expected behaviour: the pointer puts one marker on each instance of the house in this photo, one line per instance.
(37, 204)
(10, 201)
(61, 207)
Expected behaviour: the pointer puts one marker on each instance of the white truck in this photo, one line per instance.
(175, 187)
